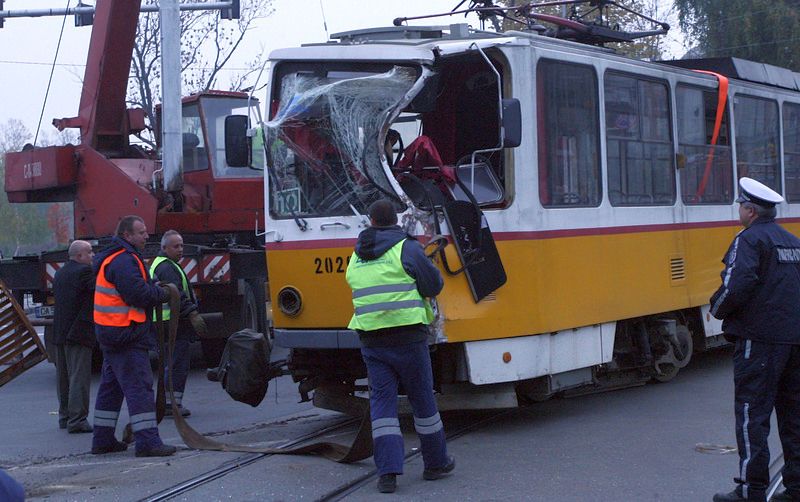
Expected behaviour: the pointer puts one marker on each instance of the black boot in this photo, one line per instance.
(387, 483)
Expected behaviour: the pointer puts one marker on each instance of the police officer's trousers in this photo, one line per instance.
(766, 376)
(126, 374)
(410, 365)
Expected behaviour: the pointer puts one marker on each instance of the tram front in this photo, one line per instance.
(349, 125)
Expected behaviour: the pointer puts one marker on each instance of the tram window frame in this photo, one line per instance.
(581, 171)
(714, 163)
(738, 100)
(791, 152)
(643, 132)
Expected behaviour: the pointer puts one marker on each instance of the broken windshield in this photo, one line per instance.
(323, 140)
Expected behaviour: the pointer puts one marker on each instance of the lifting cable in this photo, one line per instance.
(52, 70)
(359, 450)
(722, 100)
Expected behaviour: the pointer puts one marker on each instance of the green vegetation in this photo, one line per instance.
(767, 31)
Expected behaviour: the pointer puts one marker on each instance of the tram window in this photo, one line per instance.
(569, 160)
(706, 170)
(791, 150)
(638, 142)
(757, 140)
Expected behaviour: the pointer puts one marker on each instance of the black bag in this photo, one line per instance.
(244, 369)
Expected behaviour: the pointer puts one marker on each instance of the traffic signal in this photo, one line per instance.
(232, 12)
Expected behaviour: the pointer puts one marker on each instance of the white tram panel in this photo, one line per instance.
(539, 355)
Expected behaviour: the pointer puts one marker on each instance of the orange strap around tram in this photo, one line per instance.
(109, 307)
(722, 100)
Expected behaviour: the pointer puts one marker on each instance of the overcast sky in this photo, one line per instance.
(28, 46)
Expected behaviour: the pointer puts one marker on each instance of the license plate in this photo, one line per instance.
(45, 311)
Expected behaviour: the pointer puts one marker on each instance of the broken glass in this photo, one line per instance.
(324, 141)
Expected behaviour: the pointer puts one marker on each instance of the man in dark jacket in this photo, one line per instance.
(73, 336)
(759, 304)
(392, 281)
(123, 308)
(166, 269)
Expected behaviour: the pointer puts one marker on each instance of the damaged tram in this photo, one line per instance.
(577, 202)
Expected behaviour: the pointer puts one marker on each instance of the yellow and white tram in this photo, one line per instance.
(599, 236)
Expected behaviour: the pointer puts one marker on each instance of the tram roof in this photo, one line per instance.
(743, 69)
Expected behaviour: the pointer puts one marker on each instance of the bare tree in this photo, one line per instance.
(207, 45)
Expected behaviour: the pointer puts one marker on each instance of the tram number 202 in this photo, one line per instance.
(330, 265)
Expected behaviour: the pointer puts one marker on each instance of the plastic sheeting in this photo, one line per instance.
(324, 142)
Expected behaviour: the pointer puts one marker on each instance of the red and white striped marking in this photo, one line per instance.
(50, 269)
(217, 268)
(191, 269)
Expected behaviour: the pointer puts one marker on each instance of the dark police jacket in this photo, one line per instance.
(759, 298)
(124, 273)
(73, 287)
(372, 244)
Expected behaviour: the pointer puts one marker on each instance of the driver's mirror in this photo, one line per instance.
(237, 144)
(512, 123)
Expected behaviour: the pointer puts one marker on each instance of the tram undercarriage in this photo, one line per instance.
(645, 349)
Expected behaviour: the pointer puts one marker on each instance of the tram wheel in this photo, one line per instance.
(679, 353)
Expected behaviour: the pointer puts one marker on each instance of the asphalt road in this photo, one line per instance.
(632, 444)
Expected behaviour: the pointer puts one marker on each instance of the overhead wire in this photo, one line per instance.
(52, 70)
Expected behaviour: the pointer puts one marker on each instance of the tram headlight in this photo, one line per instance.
(289, 301)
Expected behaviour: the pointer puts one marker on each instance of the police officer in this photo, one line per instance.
(759, 304)
(392, 279)
(123, 302)
(166, 269)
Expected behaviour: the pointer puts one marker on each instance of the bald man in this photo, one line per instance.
(73, 335)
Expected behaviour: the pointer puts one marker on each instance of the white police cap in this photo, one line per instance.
(757, 193)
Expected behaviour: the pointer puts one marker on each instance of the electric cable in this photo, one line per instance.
(52, 70)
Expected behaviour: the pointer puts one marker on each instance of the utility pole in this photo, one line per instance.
(171, 137)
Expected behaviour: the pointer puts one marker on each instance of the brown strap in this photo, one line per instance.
(359, 450)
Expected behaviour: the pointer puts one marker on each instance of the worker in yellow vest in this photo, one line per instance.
(166, 269)
(392, 281)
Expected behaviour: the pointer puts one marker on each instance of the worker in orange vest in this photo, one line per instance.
(123, 307)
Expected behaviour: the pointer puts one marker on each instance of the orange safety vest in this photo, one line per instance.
(109, 307)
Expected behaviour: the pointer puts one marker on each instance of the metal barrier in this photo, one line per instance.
(20, 346)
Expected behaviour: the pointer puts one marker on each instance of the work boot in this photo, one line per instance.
(164, 450)
(81, 428)
(112, 448)
(736, 495)
(783, 497)
(440, 472)
(387, 483)
(184, 411)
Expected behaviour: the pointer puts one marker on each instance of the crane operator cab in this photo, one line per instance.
(431, 137)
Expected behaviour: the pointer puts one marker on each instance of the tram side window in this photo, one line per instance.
(568, 110)
(757, 140)
(638, 142)
(706, 170)
(791, 150)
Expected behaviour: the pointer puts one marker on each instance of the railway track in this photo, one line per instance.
(241, 462)
(337, 493)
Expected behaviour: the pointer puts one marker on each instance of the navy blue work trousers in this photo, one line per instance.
(180, 370)
(410, 365)
(126, 375)
(766, 377)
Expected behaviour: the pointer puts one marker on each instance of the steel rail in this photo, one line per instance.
(240, 462)
(356, 484)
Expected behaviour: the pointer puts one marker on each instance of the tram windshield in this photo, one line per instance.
(323, 141)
